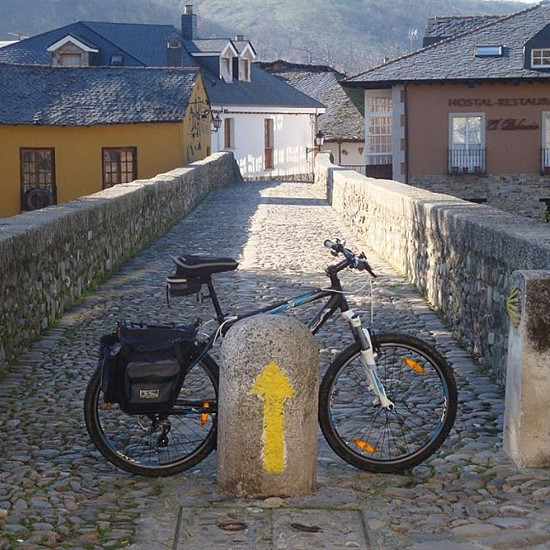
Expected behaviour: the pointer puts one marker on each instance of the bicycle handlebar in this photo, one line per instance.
(352, 260)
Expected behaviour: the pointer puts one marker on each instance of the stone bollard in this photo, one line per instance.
(267, 410)
(527, 402)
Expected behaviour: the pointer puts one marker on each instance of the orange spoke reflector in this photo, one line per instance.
(363, 445)
(204, 415)
(415, 366)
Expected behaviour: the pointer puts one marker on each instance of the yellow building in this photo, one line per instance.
(70, 132)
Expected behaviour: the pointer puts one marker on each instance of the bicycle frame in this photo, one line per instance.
(336, 301)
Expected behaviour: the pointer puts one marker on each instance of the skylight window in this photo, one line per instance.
(117, 59)
(488, 51)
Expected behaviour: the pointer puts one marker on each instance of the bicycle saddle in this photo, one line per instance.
(190, 265)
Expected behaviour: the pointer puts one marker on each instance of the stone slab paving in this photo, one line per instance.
(56, 491)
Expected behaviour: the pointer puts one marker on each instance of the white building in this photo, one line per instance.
(269, 125)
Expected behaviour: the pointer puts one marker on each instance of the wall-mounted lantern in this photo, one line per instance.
(319, 140)
(217, 122)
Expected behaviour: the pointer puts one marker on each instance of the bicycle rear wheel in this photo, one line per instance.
(417, 379)
(162, 444)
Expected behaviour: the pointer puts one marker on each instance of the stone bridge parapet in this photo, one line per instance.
(460, 255)
(49, 258)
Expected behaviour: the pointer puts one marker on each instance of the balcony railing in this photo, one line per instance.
(545, 161)
(466, 161)
(379, 171)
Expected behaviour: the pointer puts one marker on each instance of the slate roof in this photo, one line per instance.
(343, 119)
(441, 27)
(141, 44)
(263, 89)
(91, 96)
(145, 46)
(206, 45)
(241, 45)
(454, 60)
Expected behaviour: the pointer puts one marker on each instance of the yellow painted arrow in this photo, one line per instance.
(274, 388)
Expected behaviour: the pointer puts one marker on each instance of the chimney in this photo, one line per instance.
(173, 51)
(239, 37)
(188, 23)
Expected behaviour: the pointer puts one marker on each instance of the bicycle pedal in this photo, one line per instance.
(162, 442)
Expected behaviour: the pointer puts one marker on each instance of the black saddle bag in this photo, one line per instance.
(143, 366)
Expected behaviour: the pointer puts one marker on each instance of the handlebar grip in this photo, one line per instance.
(332, 245)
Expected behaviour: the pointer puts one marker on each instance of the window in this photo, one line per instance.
(226, 68)
(119, 165)
(71, 52)
(70, 59)
(268, 144)
(467, 139)
(379, 120)
(488, 51)
(540, 58)
(228, 133)
(244, 69)
(117, 59)
(545, 161)
(38, 187)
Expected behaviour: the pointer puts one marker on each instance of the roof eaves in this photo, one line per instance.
(77, 41)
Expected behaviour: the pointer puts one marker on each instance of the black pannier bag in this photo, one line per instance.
(112, 369)
(143, 366)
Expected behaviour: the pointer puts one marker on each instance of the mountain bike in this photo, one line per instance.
(386, 402)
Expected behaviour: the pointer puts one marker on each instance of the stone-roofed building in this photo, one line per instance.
(468, 115)
(69, 132)
(260, 118)
(343, 121)
(106, 95)
(267, 124)
(114, 44)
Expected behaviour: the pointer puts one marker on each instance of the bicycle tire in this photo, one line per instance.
(139, 444)
(417, 379)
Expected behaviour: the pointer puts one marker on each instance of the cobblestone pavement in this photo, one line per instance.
(56, 491)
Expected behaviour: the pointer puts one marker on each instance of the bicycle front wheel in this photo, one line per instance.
(417, 379)
(157, 444)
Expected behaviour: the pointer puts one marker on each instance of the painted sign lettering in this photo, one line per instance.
(500, 102)
(511, 124)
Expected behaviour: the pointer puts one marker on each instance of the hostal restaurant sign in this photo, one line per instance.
(504, 123)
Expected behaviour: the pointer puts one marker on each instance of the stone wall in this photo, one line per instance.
(50, 257)
(460, 255)
(524, 194)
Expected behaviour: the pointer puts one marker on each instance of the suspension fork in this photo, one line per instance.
(363, 338)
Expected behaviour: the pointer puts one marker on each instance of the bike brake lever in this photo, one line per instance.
(365, 265)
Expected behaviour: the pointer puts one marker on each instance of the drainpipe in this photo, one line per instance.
(406, 109)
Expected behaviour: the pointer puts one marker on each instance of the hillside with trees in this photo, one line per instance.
(349, 35)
